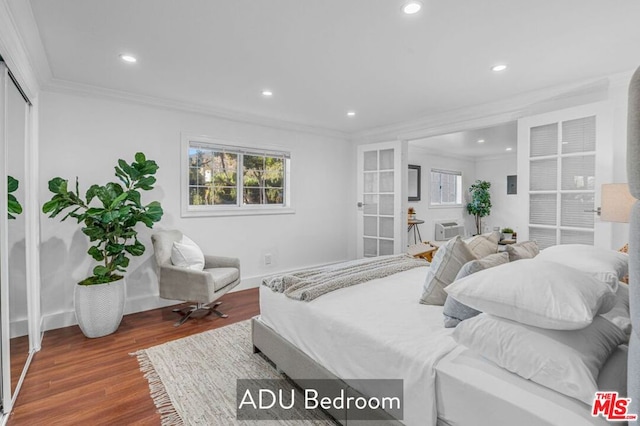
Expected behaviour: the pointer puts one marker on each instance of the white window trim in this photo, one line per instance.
(227, 210)
(440, 205)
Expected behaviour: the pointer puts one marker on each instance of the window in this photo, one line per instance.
(224, 180)
(446, 188)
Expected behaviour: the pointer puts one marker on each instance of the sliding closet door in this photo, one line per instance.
(14, 321)
(381, 189)
(563, 159)
(5, 390)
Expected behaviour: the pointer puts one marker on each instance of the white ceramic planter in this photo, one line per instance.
(99, 307)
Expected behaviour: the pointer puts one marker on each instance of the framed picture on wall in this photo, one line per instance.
(414, 183)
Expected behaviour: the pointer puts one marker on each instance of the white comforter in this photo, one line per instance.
(374, 330)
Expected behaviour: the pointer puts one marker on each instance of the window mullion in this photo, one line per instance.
(240, 180)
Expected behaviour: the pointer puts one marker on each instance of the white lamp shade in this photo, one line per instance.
(616, 202)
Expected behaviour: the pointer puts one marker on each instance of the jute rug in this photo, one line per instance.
(193, 380)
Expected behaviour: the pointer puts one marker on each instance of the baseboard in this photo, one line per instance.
(153, 301)
(19, 328)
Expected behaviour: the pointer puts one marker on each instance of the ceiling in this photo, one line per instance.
(496, 140)
(324, 58)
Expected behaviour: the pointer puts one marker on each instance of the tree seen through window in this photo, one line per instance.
(213, 177)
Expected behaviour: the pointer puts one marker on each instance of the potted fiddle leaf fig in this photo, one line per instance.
(13, 205)
(109, 214)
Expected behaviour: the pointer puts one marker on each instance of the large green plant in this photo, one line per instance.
(110, 225)
(480, 204)
(13, 206)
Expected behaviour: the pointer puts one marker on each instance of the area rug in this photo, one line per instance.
(193, 380)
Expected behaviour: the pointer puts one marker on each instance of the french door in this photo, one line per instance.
(381, 192)
(565, 158)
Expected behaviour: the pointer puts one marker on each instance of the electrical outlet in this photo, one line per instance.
(267, 259)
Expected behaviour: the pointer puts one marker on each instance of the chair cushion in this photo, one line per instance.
(222, 277)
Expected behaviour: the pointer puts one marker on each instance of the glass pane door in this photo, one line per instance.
(380, 178)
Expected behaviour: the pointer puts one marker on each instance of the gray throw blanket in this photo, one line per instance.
(309, 284)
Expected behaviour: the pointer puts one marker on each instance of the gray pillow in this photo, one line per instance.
(524, 250)
(454, 312)
(443, 270)
(480, 264)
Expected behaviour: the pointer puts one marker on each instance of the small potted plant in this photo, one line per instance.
(109, 214)
(411, 212)
(507, 233)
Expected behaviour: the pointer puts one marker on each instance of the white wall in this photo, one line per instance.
(431, 215)
(84, 136)
(496, 170)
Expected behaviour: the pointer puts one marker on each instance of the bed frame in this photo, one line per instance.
(297, 365)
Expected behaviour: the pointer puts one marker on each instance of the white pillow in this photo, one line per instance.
(187, 254)
(566, 361)
(454, 311)
(609, 266)
(535, 292)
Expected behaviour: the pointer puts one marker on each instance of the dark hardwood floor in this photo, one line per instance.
(77, 381)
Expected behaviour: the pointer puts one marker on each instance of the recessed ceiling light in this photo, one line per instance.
(412, 7)
(351, 113)
(509, 148)
(480, 140)
(499, 67)
(128, 58)
(267, 93)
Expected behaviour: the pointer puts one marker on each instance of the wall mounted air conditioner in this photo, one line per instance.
(447, 230)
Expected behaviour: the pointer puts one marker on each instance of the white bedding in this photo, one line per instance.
(380, 333)
(474, 391)
(378, 330)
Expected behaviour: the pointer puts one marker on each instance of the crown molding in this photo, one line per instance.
(30, 70)
(64, 86)
(506, 156)
(471, 158)
(621, 79)
(489, 114)
(442, 154)
(30, 34)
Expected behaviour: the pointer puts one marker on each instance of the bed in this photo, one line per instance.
(392, 336)
(445, 382)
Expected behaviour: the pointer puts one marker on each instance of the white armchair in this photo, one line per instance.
(220, 275)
